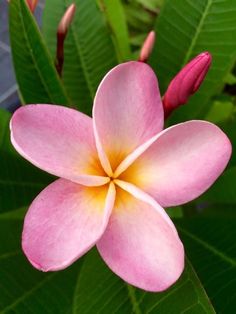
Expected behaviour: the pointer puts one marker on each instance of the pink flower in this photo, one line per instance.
(117, 171)
(186, 82)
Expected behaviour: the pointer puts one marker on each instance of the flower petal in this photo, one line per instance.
(58, 140)
(127, 111)
(140, 245)
(182, 163)
(64, 222)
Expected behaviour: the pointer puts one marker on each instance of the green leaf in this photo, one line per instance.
(20, 182)
(152, 5)
(89, 50)
(116, 18)
(223, 191)
(35, 72)
(186, 28)
(210, 244)
(100, 291)
(220, 111)
(230, 79)
(23, 288)
(92, 289)
(5, 144)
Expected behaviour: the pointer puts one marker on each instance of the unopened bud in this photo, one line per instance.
(31, 4)
(186, 82)
(147, 47)
(62, 30)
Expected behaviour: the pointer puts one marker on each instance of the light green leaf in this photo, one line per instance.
(35, 72)
(220, 111)
(116, 18)
(186, 28)
(230, 79)
(100, 291)
(152, 5)
(210, 243)
(89, 50)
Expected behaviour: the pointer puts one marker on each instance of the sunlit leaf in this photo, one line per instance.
(114, 13)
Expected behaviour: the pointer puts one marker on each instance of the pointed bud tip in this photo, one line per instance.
(147, 47)
(186, 82)
(66, 19)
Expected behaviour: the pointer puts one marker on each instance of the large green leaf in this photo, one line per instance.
(89, 50)
(186, 28)
(100, 291)
(116, 18)
(35, 72)
(211, 247)
(24, 289)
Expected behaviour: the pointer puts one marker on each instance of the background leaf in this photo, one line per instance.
(186, 28)
(223, 191)
(35, 72)
(23, 288)
(20, 182)
(100, 291)
(89, 50)
(210, 243)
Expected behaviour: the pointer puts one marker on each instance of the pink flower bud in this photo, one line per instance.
(147, 47)
(66, 20)
(62, 30)
(186, 82)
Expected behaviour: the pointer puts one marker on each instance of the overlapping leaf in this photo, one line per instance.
(186, 28)
(34, 68)
(114, 13)
(89, 51)
(211, 247)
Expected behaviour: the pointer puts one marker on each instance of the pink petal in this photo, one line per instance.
(181, 164)
(58, 140)
(140, 245)
(127, 111)
(64, 222)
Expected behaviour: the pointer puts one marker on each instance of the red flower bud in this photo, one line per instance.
(31, 4)
(62, 30)
(186, 82)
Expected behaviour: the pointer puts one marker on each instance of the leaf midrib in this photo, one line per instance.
(198, 30)
(31, 54)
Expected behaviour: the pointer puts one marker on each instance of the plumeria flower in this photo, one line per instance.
(118, 170)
